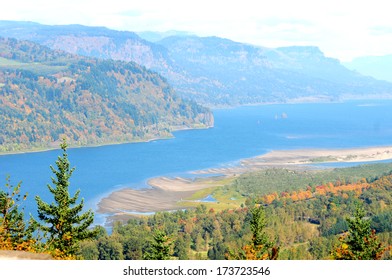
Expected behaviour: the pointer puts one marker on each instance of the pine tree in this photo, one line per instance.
(181, 248)
(360, 242)
(160, 247)
(257, 226)
(14, 234)
(261, 247)
(63, 220)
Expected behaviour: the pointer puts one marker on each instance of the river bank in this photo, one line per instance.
(56, 145)
(165, 193)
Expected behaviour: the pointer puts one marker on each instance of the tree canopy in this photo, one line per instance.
(360, 242)
(63, 220)
(14, 233)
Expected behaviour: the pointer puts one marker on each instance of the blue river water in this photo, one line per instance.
(238, 133)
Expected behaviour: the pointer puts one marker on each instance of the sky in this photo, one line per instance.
(343, 29)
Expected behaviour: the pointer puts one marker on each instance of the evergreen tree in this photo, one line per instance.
(63, 220)
(160, 247)
(14, 234)
(217, 251)
(257, 226)
(360, 242)
(181, 248)
(261, 248)
(110, 249)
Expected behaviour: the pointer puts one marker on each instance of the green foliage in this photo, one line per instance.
(63, 219)
(257, 226)
(109, 249)
(88, 250)
(279, 180)
(261, 247)
(303, 229)
(180, 247)
(360, 242)
(14, 233)
(218, 251)
(159, 248)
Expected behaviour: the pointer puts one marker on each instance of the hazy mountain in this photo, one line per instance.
(47, 94)
(154, 36)
(99, 42)
(379, 67)
(231, 72)
(212, 70)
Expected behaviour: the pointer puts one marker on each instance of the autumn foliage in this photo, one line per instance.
(328, 189)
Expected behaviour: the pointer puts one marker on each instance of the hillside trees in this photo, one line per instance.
(260, 239)
(360, 242)
(261, 248)
(159, 247)
(46, 94)
(63, 220)
(305, 229)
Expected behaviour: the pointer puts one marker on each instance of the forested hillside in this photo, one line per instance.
(46, 94)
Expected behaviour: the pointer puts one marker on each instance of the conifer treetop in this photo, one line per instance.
(63, 220)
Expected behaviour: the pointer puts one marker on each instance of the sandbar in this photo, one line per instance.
(165, 192)
(310, 156)
(163, 195)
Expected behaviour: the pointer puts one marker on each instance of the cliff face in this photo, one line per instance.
(223, 71)
(99, 42)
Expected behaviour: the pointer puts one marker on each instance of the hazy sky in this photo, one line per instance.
(341, 28)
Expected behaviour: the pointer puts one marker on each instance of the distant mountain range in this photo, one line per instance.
(213, 71)
(152, 36)
(379, 67)
(46, 94)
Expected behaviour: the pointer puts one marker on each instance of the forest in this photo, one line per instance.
(46, 95)
(310, 214)
(304, 224)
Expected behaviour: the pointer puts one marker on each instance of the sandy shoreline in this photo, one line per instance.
(165, 192)
(163, 195)
(309, 156)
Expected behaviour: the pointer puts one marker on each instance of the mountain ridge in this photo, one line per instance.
(258, 74)
(379, 67)
(215, 71)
